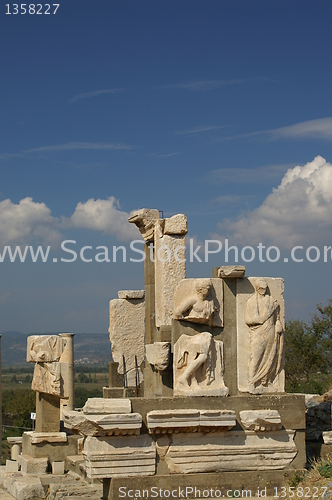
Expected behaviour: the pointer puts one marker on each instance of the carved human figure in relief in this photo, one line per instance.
(193, 355)
(266, 338)
(198, 307)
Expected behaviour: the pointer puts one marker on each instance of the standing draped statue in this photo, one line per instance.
(266, 338)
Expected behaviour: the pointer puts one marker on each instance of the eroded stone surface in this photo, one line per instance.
(44, 348)
(261, 420)
(173, 421)
(131, 294)
(24, 488)
(327, 437)
(49, 373)
(47, 437)
(229, 451)
(231, 272)
(200, 301)
(95, 406)
(127, 330)
(31, 465)
(158, 354)
(145, 219)
(198, 366)
(176, 225)
(123, 456)
(260, 335)
(101, 425)
(170, 269)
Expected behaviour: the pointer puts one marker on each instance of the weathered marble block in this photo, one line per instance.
(327, 437)
(227, 451)
(131, 294)
(49, 373)
(102, 425)
(47, 437)
(145, 219)
(127, 331)
(95, 406)
(261, 420)
(158, 354)
(231, 272)
(260, 335)
(200, 301)
(198, 366)
(170, 265)
(44, 348)
(174, 421)
(123, 456)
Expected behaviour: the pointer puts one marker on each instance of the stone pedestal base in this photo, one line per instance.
(258, 483)
(47, 413)
(54, 449)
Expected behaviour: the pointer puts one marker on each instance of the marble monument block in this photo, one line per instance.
(198, 366)
(145, 219)
(49, 373)
(200, 301)
(192, 453)
(260, 335)
(170, 265)
(120, 456)
(261, 420)
(175, 421)
(158, 354)
(127, 331)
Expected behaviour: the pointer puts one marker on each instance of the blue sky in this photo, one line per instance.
(185, 106)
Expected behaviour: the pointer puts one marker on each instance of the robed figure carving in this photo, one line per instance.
(266, 339)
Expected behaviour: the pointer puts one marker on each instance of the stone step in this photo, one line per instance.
(77, 489)
(4, 495)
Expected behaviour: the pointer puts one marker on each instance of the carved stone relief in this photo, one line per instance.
(145, 219)
(49, 373)
(198, 366)
(44, 348)
(260, 335)
(200, 301)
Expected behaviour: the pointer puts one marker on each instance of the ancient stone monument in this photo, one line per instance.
(196, 394)
(213, 407)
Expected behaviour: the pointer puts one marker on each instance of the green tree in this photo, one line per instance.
(308, 346)
(19, 404)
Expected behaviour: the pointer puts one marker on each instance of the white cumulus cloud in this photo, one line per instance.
(298, 212)
(25, 221)
(32, 222)
(103, 216)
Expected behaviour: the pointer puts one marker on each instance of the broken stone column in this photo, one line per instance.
(164, 268)
(170, 265)
(127, 314)
(47, 413)
(48, 379)
(69, 381)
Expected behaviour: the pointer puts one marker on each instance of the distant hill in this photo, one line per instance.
(88, 347)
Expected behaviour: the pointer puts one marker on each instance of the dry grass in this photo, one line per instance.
(313, 483)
